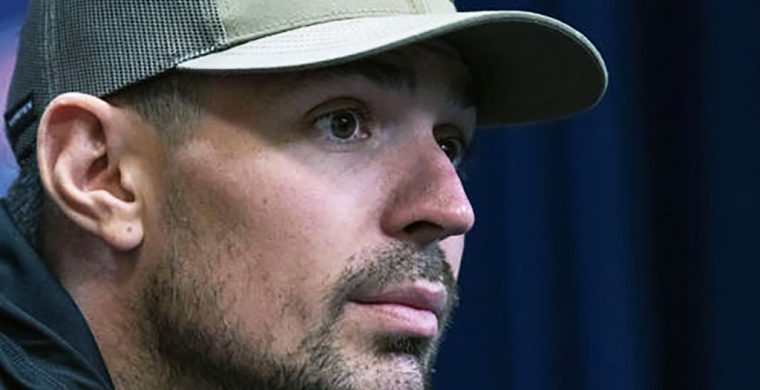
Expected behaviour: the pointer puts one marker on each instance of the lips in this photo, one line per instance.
(423, 296)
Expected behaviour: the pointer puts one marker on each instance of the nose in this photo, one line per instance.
(428, 203)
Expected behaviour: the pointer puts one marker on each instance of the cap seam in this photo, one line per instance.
(218, 17)
(415, 4)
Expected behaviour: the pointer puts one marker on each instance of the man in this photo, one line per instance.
(254, 194)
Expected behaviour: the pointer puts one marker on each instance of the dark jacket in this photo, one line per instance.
(45, 342)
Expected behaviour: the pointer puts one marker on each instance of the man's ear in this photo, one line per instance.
(81, 144)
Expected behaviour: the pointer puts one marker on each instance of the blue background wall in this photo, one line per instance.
(619, 249)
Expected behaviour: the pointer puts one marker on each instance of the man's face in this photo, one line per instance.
(310, 230)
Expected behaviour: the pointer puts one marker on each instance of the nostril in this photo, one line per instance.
(416, 227)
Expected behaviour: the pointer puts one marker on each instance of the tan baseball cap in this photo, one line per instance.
(527, 67)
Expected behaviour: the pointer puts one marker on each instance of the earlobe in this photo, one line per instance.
(81, 150)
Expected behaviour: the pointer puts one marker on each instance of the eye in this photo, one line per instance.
(454, 147)
(343, 125)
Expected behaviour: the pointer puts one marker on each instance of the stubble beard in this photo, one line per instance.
(195, 342)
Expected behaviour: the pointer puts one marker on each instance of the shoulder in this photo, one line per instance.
(19, 371)
(44, 340)
(33, 358)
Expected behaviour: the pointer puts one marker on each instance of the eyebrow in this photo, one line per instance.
(386, 74)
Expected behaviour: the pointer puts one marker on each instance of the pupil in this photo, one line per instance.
(343, 125)
(449, 149)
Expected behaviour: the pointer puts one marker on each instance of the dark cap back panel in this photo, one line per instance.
(98, 47)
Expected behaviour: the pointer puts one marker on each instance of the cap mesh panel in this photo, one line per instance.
(98, 47)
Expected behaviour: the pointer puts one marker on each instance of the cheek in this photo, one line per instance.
(279, 234)
(453, 247)
(273, 199)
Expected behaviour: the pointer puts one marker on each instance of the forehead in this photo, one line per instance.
(401, 69)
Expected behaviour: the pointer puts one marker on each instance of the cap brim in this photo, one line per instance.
(527, 67)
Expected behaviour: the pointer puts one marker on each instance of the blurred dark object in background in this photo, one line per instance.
(620, 249)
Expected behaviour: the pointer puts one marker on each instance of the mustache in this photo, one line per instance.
(392, 264)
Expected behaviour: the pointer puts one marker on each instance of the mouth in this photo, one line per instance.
(413, 309)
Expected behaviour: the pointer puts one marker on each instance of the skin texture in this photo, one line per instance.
(237, 258)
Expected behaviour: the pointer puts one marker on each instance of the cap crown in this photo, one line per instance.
(243, 20)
